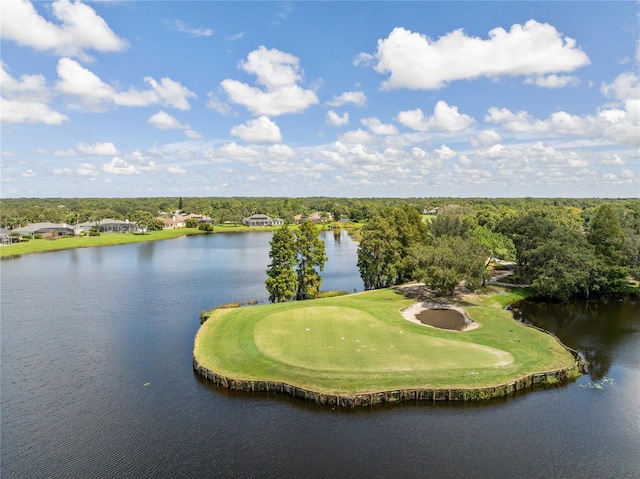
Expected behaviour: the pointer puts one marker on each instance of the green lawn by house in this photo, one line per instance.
(361, 343)
(107, 239)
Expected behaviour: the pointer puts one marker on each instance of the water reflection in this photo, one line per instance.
(145, 251)
(97, 381)
(599, 329)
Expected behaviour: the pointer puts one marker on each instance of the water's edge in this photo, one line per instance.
(524, 383)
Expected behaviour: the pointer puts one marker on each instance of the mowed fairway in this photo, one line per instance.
(361, 343)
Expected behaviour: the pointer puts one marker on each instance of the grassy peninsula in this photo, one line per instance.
(361, 343)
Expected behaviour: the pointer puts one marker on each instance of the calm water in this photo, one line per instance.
(97, 382)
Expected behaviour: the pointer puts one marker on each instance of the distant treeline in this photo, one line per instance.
(563, 247)
(20, 211)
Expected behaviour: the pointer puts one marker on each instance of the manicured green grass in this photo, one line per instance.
(361, 343)
(42, 245)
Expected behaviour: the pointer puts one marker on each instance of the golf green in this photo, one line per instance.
(361, 343)
(336, 338)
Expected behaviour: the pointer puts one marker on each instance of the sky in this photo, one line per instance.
(297, 99)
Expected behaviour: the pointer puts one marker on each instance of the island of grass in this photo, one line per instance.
(360, 350)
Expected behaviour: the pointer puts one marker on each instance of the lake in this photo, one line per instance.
(97, 381)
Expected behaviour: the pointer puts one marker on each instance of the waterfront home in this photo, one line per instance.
(201, 218)
(175, 221)
(316, 217)
(46, 229)
(107, 225)
(5, 236)
(262, 220)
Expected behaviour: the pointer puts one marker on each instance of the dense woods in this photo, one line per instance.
(562, 247)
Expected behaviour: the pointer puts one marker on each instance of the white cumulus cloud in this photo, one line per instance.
(379, 128)
(553, 81)
(414, 61)
(445, 118)
(94, 94)
(335, 119)
(30, 88)
(357, 98)
(135, 164)
(258, 130)
(485, 138)
(79, 28)
(14, 111)
(176, 170)
(358, 136)
(118, 166)
(24, 100)
(163, 121)
(86, 169)
(617, 122)
(278, 73)
(98, 149)
(445, 153)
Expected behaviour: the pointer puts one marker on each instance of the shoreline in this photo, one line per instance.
(524, 383)
(521, 383)
(113, 239)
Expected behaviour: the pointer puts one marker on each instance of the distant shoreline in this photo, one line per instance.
(115, 239)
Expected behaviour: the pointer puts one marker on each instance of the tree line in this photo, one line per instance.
(15, 212)
(561, 250)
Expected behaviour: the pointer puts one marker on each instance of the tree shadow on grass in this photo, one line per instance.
(420, 292)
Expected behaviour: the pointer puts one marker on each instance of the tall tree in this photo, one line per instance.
(453, 220)
(387, 239)
(606, 235)
(311, 257)
(282, 280)
(527, 233)
(498, 245)
(561, 266)
(378, 254)
(410, 231)
(449, 260)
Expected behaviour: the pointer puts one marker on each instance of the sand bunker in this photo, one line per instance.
(413, 313)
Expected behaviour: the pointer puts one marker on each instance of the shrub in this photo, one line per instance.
(191, 222)
(38, 236)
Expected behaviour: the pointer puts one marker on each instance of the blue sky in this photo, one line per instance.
(349, 99)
